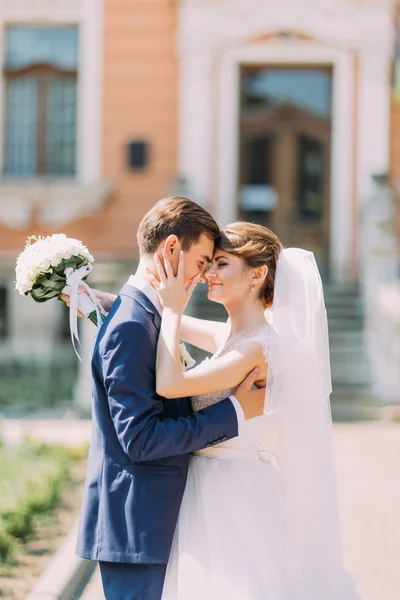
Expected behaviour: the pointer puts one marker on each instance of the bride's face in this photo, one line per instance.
(229, 279)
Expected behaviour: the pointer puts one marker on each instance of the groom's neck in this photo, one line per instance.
(141, 273)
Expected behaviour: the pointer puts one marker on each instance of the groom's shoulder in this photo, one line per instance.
(127, 320)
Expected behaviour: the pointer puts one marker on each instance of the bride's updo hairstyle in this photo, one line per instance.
(257, 246)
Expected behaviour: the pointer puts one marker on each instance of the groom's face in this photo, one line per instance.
(197, 258)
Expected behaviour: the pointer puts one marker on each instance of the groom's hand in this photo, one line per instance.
(106, 300)
(251, 400)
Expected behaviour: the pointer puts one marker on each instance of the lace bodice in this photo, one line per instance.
(256, 436)
(263, 336)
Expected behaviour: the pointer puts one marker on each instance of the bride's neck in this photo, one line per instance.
(246, 315)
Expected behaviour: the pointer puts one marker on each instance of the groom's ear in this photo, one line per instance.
(171, 247)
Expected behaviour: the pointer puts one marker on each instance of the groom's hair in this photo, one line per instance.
(179, 216)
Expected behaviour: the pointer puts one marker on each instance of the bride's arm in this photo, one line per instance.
(202, 333)
(198, 332)
(211, 376)
(106, 299)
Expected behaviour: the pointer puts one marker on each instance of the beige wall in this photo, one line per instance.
(139, 100)
(395, 143)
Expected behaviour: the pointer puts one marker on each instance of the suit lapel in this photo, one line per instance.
(143, 300)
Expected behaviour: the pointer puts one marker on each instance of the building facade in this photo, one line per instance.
(273, 110)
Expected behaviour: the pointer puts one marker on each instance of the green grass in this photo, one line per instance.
(31, 482)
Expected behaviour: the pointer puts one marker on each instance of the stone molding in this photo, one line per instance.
(354, 38)
(337, 23)
(23, 10)
(51, 204)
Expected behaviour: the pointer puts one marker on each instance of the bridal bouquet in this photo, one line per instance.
(55, 264)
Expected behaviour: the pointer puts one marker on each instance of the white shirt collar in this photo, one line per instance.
(141, 285)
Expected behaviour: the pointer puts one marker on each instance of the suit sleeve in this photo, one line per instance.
(137, 412)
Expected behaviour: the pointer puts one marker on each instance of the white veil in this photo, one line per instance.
(297, 400)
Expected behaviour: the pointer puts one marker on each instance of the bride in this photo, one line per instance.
(259, 518)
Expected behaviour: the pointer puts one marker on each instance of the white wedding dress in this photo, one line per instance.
(228, 543)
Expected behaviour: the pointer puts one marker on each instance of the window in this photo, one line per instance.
(3, 312)
(40, 101)
(257, 161)
(311, 178)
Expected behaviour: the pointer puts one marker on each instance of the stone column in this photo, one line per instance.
(380, 284)
(196, 135)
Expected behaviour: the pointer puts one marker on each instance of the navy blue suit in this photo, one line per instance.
(139, 452)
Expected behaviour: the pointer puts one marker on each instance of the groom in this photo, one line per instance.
(141, 442)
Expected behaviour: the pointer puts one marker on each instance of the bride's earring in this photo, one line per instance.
(252, 286)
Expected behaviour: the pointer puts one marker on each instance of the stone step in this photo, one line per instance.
(358, 380)
(360, 392)
(344, 305)
(354, 403)
(346, 323)
(342, 299)
(352, 374)
(337, 311)
(349, 411)
(348, 336)
(352, 351)
(334, 290)
(351, 345)
(350, 363)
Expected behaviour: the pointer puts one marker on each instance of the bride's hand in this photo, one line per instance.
(171, 289)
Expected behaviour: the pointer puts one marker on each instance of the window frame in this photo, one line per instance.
(43, 70)
(5, 332)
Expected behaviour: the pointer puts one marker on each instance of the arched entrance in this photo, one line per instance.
(284, 153)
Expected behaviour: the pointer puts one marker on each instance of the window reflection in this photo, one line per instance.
(310, 185)
(28, 45)
(308, 89)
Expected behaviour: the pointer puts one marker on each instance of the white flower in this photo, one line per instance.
(187, 361)
(43, 256)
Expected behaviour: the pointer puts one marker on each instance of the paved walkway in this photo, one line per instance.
(367, 458)
(368, 466)
(93, 590)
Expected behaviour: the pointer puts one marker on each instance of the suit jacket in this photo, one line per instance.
(141, 442)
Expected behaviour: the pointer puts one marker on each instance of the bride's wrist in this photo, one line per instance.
(173, 312)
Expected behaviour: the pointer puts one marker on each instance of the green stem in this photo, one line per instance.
(93, 317)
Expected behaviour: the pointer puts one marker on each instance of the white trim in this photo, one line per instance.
(90, 77)
(88, 16)
(296, 53)
(196, 116)
(373, 121)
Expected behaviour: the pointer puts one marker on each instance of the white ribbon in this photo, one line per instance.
(74, 282)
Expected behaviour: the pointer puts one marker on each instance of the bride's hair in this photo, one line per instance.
(257, 246)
